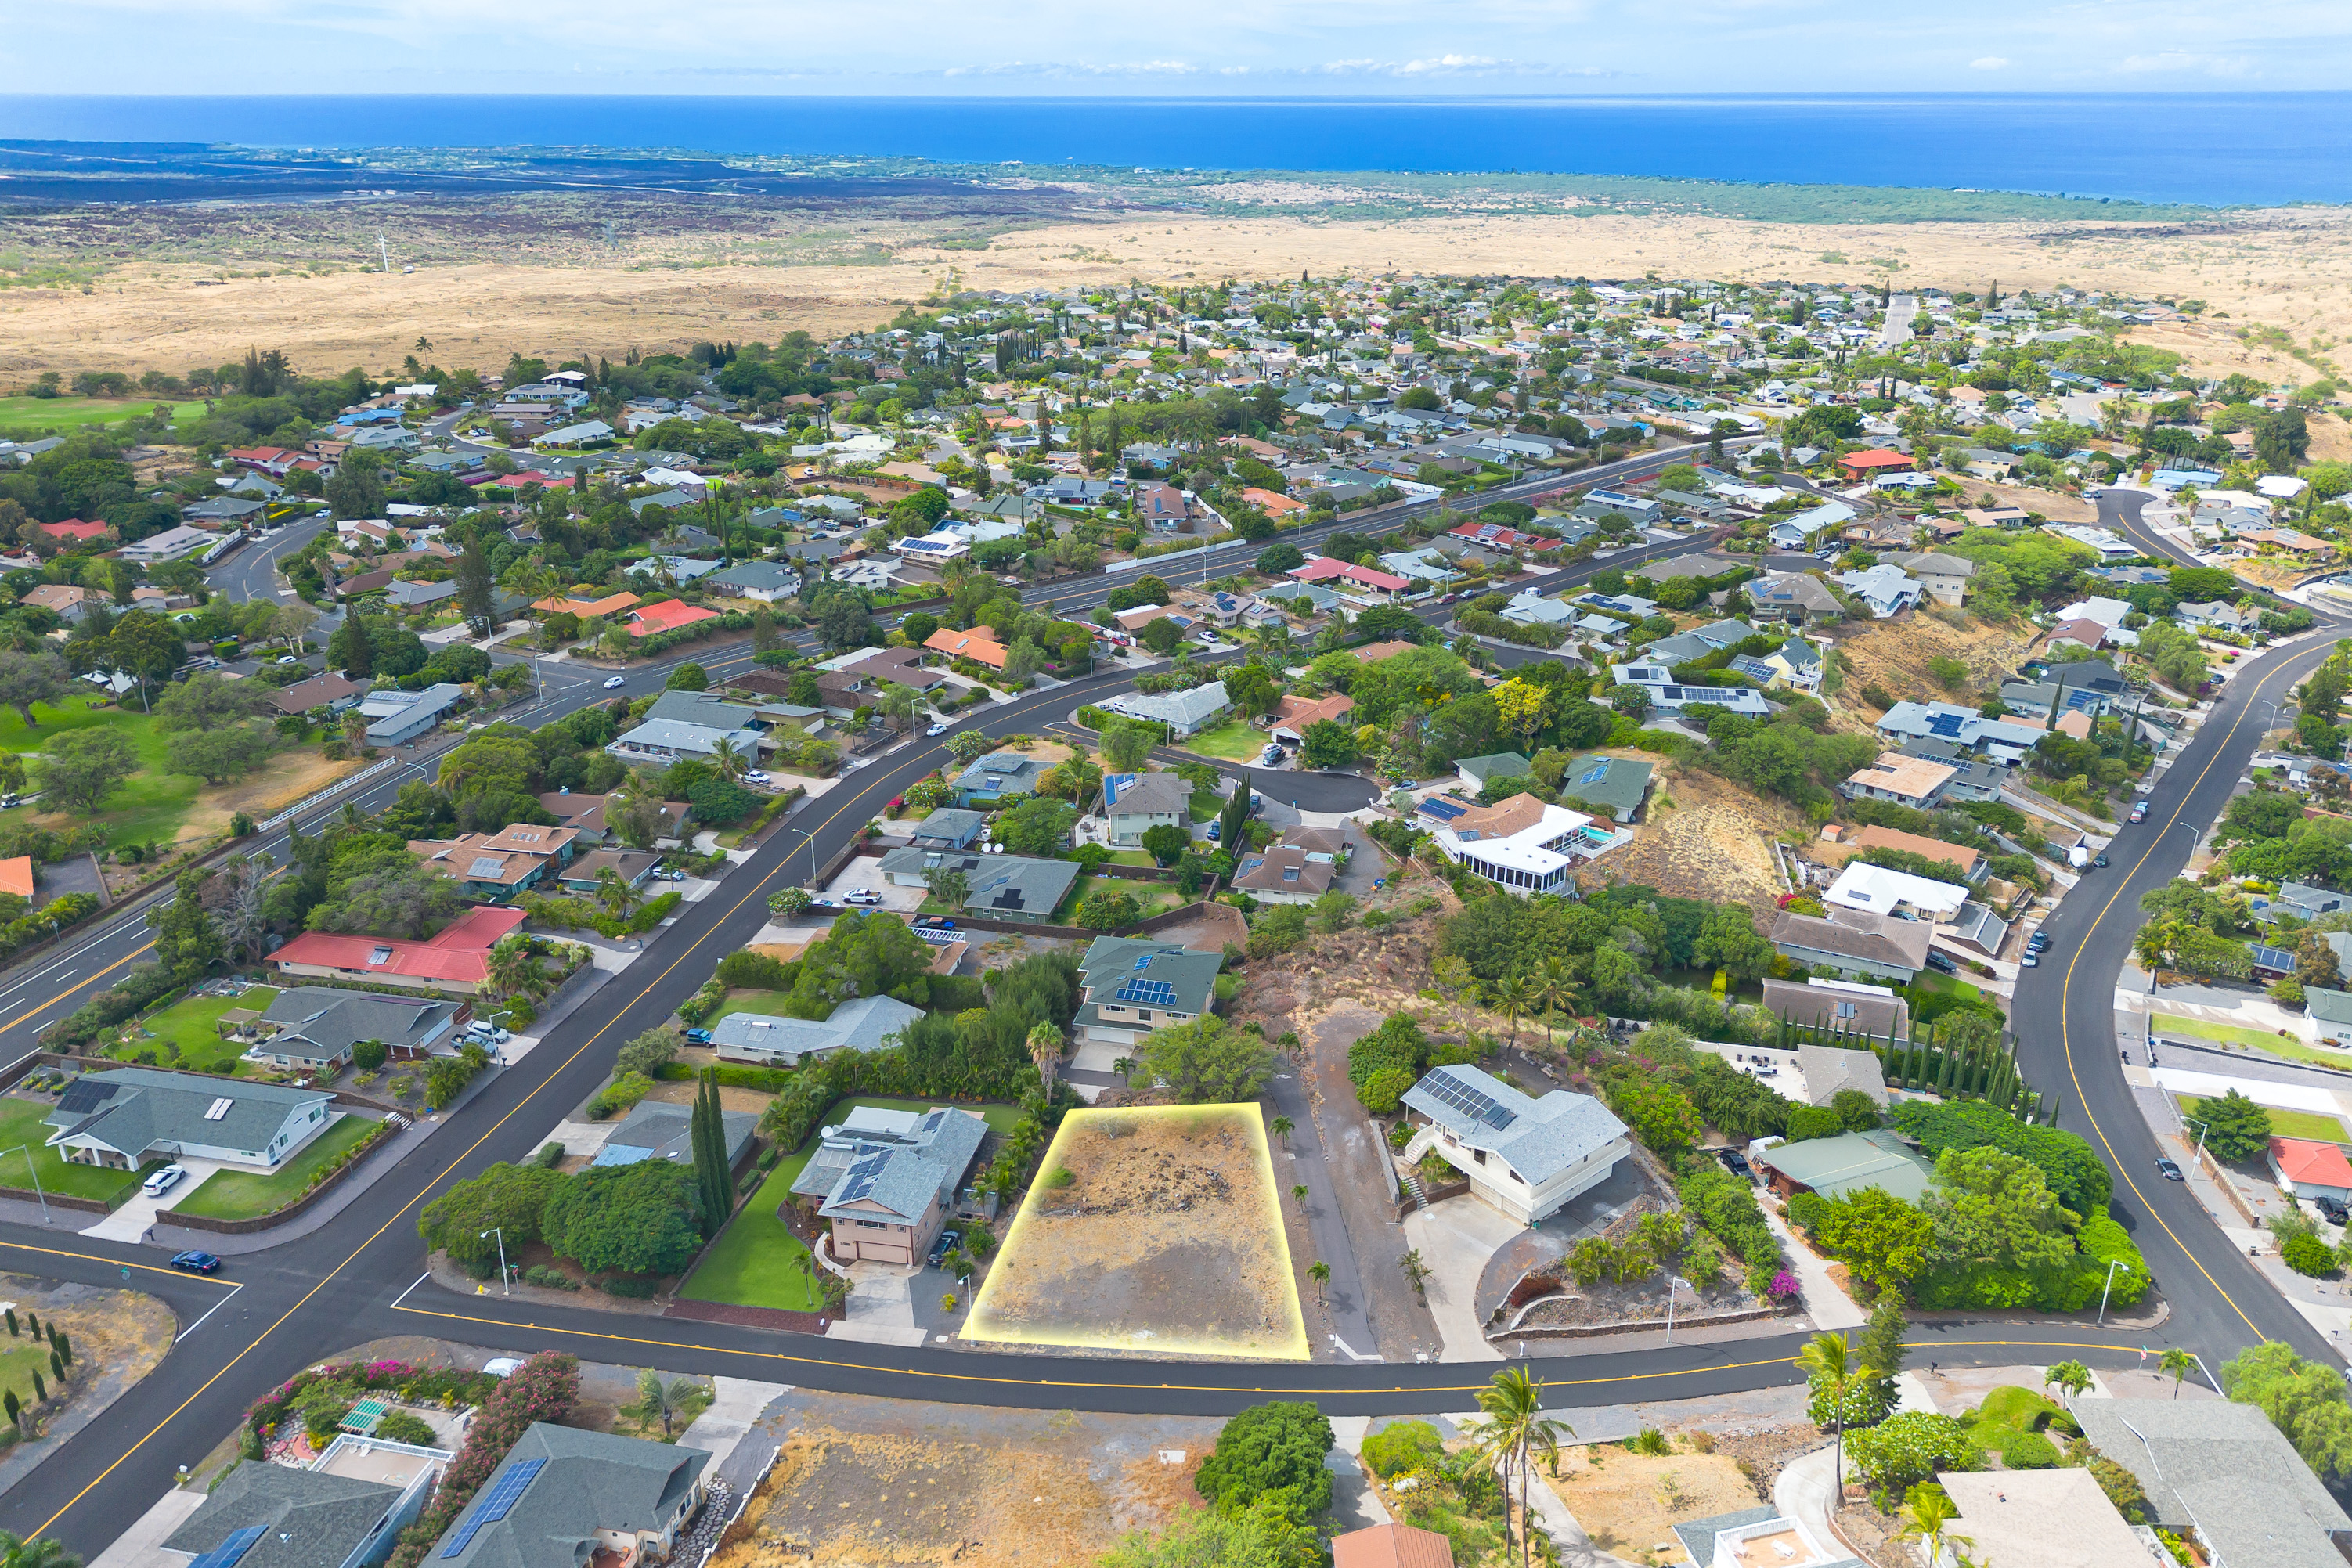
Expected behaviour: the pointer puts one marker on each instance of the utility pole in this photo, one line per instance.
(384, 251)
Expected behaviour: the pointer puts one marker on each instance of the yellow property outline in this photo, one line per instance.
(1292, 1344)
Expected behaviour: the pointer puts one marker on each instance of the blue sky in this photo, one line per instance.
(1454, 47)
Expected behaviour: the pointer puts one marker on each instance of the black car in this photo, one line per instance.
(196, 1262)
(2100, 861)
(1734, 1161)
(948, 1242)
(2170, 1171)
(1942, 963)
(2331, 1209)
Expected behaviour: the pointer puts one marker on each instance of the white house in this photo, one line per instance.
(1521, 845)
(1524, 1157)
(1885, 588)
(1880, 891)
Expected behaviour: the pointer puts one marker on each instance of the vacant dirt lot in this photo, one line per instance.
(1153, 1228)
(1704, 837)
(1629, 1503)
(1895, 655)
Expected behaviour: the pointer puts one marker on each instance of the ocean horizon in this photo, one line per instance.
(2209, 149)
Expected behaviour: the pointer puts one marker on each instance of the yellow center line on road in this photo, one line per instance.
(69, 991)
(2065, 1031)
(109, 1262)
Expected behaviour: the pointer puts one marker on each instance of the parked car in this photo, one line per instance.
(2166, 1168)
(759, 776)
(194, 1263)
(698, 1037)
(287, 659)
(864, 895)
(2099, 863)
(1270, 757)
(2331, 1209)
(2030, 961)
(2037, 942)
(487, 1032)
(1942, 963)
(162, 1181)
(948, 1242)
(2139, 811)
(615, 683)
(1734, 1162)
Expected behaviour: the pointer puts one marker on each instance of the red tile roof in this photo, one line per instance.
(977, 646)
(667, 616)
(2307, 1162)
(459, 952)
(1325, 568)
(75, 528)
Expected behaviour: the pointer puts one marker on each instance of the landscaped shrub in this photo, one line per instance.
(1398, 1045)
(1906, 1450)
(1382, 1090)
(445, 1077)
(627, 1286)
(400, 1426)
(1276, 1445)
(1402, 1446)
(619, 1095)
(2307, 1254)
(2076, 1174)
(1867, 1401)
(553, 1279)
(369, 1055)
(2018, 1450)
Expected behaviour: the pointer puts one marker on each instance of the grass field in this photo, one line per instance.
(2309, 1125)
(2285, 1047)
(1151, 897)
(21, 1124)
(754, 1263)
(769, 1003)
(150, 805)
(1233, 741)
(27, 415)
(192, 1025)
(236, 1194)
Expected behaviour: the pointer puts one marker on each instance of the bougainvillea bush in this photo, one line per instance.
(543, 1389)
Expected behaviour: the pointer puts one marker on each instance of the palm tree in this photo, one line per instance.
(2178, 1362)
(728, 758)
(1320, 1272)
(1926, 1518)
(661, 1398)
(1828, 1357)
(1514, 999)
(1416, 1272)
(514, 970)
(948, 885)
(1553, 990)
(2071, 1378)
(1046, 1051)
(615, 893)
(17, 1553)
(1516, 1429)
(1280, 1126)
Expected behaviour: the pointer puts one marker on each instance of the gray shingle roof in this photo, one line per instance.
(586, 1481)
(767, 576)
(659, 1130)
(2225, 1468)
(1496, 764)
(135, 1108)
(706, 708)
(1617, 782)
(1182, 710)
(861, 1023)
(308, 1519)
(1148, 795)
(334, 1020)
(1539, 1139)
(1003, 772)
(998, 885)
(908, 1179)
(1111, 962)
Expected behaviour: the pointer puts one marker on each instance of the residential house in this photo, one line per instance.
(279, 1516)
(669, 615)
(978, 646)
(997, 778)
(1875, 462)
(1854, 944)
(1613, 786)
(407, 595)
(1669, 699)
(1907, 780)
(1795, 663)
(2217, 615)
(1476, 772)
(1973, 777)
(1834, 1167)
(1881, 890)
(2224, 1470)
(2306, 1168)
(858, 1024)
(1830, 1071)
(1755, 1537)
(609, 605)
(591, 815)
(1282, 873)
(1185, 712)
(1293, 714)
(888, 1179)
(329, 691)
(1530, 608)
(584, 877)
(1942, 578)
(664, 1130)
(1350, 578)
(1840, 1005)
(2044, 1518)
(1522, 844)
(312, 1029)
(1798, 530)
(997, 887)
(2081, 632)
(1392, 1546)
(514, 860)
(455, 960)
(1130, 986)
(1527, 1157)
(122, 1118)
(397, 717)
(768, 581)
(948, 828)
(1793, 598)
(1884, 588)
(1134, 803)
(1967, 865)
(664, 739)
(172, 544)
(565, 1498)
(64, 599)
(1163, 508)
(899, 667)
(2005, 739)
(2089, 686)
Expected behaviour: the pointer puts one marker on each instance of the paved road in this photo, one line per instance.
(1895, 331)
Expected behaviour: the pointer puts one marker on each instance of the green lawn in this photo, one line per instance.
(191, 1029)
(751, 1264)
(2285, 1047)
(1232, 740)
(1929, 980)
(1151, 897)
(769, 1003)
(21, 1124)
(1133, 858)
(2309, 1125)
(235, 1195)
(26, 415)
(151, 804)
(19, 1360)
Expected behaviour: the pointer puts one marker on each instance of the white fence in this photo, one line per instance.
(340, 785)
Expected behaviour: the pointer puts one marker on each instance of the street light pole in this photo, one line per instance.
(1672, 1280)
(27, 1150)
(500, 1231)
(2110, 1285)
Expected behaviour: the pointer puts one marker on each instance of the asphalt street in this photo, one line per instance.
(363, 1275)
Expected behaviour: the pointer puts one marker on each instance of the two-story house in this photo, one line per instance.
(1130, 986)
(1134, 803)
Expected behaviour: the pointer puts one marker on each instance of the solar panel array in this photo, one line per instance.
(1444, 810)
(1144, 963)
(226, 1554)
(863, 1176)
(486, 865)
(1468, 1100)
(84, 1096)
(1154, 993)
(1947, 725)
(495, 1504)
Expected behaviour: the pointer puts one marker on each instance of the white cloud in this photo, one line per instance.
(1990, 63)
(2182, 62)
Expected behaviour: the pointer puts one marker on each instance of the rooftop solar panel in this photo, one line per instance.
(226, 1553)
(863, 1176)
(1468, 1100)
(1445, 811)
(84, 1096)
(1154, 993)
(504, 1493)
(1144, 963)
(486, 865)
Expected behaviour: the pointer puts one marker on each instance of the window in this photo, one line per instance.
(1846, 1009)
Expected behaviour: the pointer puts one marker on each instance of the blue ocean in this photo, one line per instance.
(2216, 149)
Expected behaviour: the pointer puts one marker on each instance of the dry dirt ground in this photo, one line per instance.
(1629, 1503)
(873, 1484)
(698, 274)
(1894, 654)
(1167, 1234)
(1702, 837)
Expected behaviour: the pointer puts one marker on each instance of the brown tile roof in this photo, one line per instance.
(1499, 820)
(1270, 871)
(1877, 838)
(1857, 933)
(1392, 1546)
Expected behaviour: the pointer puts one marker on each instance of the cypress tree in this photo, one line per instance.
(40, 1389)
(12, 1406)
(34, 1319)
(12, 1323)
(65, 1346)
(57, 1366)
